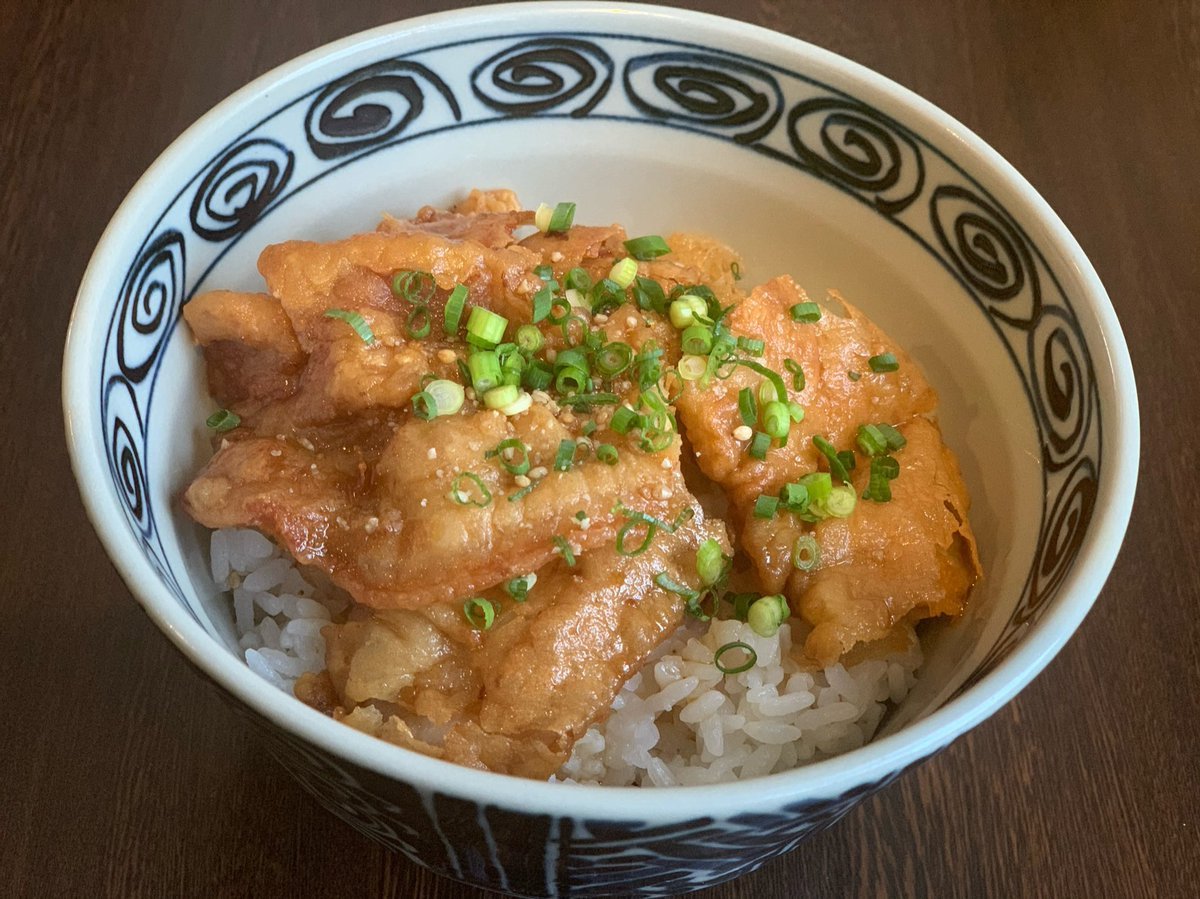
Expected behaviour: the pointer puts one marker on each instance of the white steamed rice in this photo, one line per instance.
(678, 721)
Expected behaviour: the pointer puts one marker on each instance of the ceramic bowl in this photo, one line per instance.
(663, 120)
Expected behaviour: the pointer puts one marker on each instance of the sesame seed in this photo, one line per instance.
(743, 432)
(664, 493)
(583, 523)
(446, 355)
(342, 523)
(556, 256)
(470, 393)
(424, 503)
(431, 453)
(276, 453)
(551, 354)
(371, 524)
(307, 444)
(440, 473)
(666, 463)
(600, 318)
(313, 468)
(539, 472)
(630, 322)
(522, 480)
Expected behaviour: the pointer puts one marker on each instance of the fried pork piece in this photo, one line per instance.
(389, 529)
(911, 558)
(250, 349)
(516, 697)
(305, 276)
(835, 405)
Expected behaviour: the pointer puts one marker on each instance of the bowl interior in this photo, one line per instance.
(804, 168)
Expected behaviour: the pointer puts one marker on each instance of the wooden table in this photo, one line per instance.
(125, 775)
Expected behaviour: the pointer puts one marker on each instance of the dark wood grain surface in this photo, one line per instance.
(123, 774)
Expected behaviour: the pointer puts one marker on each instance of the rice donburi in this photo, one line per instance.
(551, 500)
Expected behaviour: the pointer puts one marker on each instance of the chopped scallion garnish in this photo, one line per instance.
(797, 373)
(766, 506)
(454, 309)
(759, 445)
(485, 328)
(561, 218)
(836, 467)
(484, 367)
(607, 453)
(623, 272)
(565, 457)
(518, 588)
(750, 661)
(777, 420)
(564, 550)
(543, 301)
(355, 321)
(418, 324)
(480, 613)
(223, 420)
(767, 613)
(415, 286)
(882, 363)
(747, 407)
(697, 340)
(711, 562)
(624, 420)
(806, 312)
(613, 358)
(460, 490)
(501, 397)
(513, 454)
(649, 247)
(447, 395)
(806, 554)
(686, 309)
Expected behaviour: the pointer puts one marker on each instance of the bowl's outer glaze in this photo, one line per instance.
(823, 167)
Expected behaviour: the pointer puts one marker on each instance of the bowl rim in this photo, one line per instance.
(869, 764)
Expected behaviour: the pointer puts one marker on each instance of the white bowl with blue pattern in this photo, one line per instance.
(664, 120)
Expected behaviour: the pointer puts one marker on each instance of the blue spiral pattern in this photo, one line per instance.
(795, 120)
(239, 187)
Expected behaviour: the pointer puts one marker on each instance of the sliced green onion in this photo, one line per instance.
(767, 613)
(587, 400)
(484, 367)
(766, 506)
(459, 492)
(631, 524)
(613, 358)
(355, 321)
(575, 331)
(454, 309)
(736, 270)
(519, 405)
(578, 279)
(747, 407)
(564, 550)
(647, 365)
(518, 588)
(485, 328)
(751, 345)
(565, 457)
(685, 310)
(841, 502)
(543, 300)
(561, 218)
(697, 340)
(772, 376)
(710, 562)
(777, 420)
(649, 295)
(883, 470)
(424, 406)
(625, 419)
(649, 247)
(751, 657)
(513, 455)
(796, 411)
(846, 457)
(480, 613)
(538, 376)
(570, 380)
(542, 216)
(759, 445)
(806, 554)
(871, 440)
(418, 325)
(607, 453)
(546, 273)
(559, 310)
(499, 397)
(895, 440)
(884, 362)
(623, 272)
(447, 395)
(767, 393)
(794, 497)
(797, 373)
(665, 581)
(529, 339)
(606, 296)
(836, 468)
(806, 312)
(415, 286)
(692, 367)
(223, 420)
(819, 486)
(741, 605)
